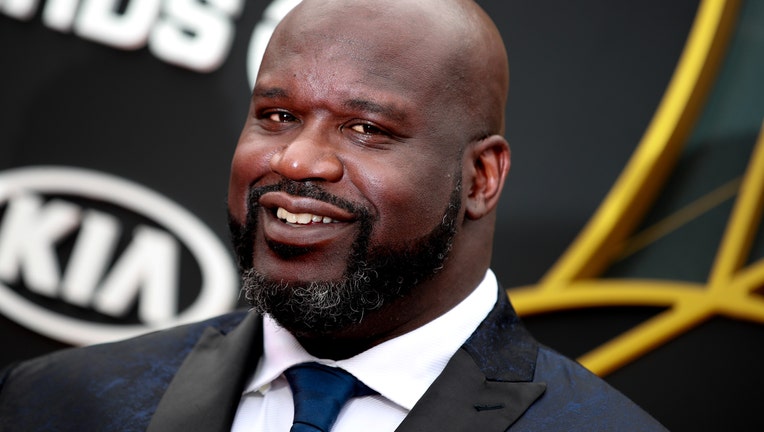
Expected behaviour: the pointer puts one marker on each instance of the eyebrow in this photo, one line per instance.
(270, 93)
(351, 104)
(374, 107)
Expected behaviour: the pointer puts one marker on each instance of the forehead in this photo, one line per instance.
(370, 53)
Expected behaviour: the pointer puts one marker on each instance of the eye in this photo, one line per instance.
(280, 117)
(367, 129)
(368, 134)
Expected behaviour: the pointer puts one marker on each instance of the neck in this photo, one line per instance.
(427, 302)
(464, 269)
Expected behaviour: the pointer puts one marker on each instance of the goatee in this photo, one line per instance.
(375, 274)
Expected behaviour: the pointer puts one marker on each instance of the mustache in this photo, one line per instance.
(305, 189)
(242, 233)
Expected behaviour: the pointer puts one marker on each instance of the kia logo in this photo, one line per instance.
(73, 268)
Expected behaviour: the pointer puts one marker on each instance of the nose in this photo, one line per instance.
(308, 158)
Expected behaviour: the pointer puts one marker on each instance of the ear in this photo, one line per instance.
(487, 167)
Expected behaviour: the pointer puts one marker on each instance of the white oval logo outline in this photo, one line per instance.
(219, 288)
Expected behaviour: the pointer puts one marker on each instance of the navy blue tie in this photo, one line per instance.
(319, 394)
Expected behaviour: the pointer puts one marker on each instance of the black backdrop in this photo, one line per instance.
(586, 78)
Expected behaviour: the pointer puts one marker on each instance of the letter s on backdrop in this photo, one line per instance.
(195, 35)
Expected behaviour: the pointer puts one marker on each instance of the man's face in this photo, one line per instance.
(344, 190)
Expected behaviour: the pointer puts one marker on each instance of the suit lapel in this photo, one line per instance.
(205, 392)
(487, 385)
(462, 399)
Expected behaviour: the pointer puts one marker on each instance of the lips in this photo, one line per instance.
(302, 221)
(302, 210)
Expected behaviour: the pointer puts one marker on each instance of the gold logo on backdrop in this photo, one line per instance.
(572, 282)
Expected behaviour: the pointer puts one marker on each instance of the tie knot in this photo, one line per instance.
(319, 393)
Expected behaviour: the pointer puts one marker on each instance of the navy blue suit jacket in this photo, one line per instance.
(190, 379)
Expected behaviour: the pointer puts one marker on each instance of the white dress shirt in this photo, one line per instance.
(400, 369)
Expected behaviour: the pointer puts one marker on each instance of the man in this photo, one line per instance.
(362, 203)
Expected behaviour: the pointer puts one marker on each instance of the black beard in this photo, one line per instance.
(374, 275)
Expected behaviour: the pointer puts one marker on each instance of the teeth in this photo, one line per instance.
(302, 218)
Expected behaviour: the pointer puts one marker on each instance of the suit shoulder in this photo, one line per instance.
(98, 377)
(576, 399)
(161, 344)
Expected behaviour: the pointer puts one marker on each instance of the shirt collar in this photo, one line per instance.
(400, 369)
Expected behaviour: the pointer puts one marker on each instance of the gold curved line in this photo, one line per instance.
(681, 217)
(688, 305)
(606, 293)
(743, 223)
(750, 278)
(569, 285)
(642, 338)
(647, 293)
(686, 314)
(744, 308)
(656, 152)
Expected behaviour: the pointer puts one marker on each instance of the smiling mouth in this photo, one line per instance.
(302, 218)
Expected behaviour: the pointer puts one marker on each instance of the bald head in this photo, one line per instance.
(385, 119)
(452, 44)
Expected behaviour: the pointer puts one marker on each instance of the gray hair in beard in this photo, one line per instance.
(374, 276)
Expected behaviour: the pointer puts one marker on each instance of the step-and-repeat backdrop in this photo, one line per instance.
(628, 235)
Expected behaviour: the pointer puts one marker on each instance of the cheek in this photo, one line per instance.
(249, 164)
(410, 202)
